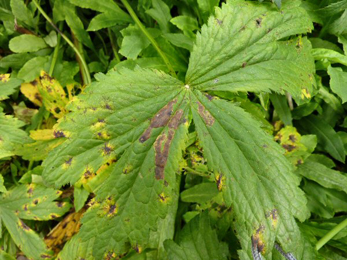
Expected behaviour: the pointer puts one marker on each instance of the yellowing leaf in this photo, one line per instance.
(31, 91)
(63, 232)
(42, 134)
(4, 77)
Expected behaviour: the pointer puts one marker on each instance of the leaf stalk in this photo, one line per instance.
(331, 234)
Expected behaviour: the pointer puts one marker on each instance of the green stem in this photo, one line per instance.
(114, 48)
(85, 67)
(331, 234)
(149, 36)
(79, 47)
(56, 51)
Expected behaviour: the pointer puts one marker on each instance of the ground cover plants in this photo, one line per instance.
(162, 129)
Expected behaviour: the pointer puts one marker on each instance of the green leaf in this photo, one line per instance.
(33, 67)
(327, 137)
(80, 198)
(135, 41)
(11, 136)
(197, 241)
(2, 186)
(161, 13)
(9, 87)
(147, 146)
(330, 55)
(30, 202)
(21, 12)
(185, 23)
(323, 175)
(180, 40)
(280, 104)
(207, 7)
(260, 169)
(200, 193)
(238, 51)
(111, 13)
(107, 19)
(15, 61)
(27, 43)
(338, 82)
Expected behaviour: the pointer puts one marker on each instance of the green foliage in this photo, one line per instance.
(198, 129)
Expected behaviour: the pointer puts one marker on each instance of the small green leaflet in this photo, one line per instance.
(33, 202)
(11, 136)
(125, 146)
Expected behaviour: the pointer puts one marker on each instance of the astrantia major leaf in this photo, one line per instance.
(126, 134)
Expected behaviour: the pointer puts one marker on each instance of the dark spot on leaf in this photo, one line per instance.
(219, 22)
(112, 209)
(110, 255)
(34, 82)
(44, 256)
(30, 191)
(209, 97)
(101, 120)
(60, 204)
(23, 225)
(57, 110)
(53, 216)
(65, 225)
(244, 64)
(299, 162)
(257, 241)
(258, 22)
(25, 207)
(36, 201)
(166, 183)
(68, 162)
(292, 138)
(162, 197)
(219, 181)
(288, 147)
(107, 149)
(87, 174)
(205, 114)
(265, 146)
(159, 120)
(58, 134)
(107, 106)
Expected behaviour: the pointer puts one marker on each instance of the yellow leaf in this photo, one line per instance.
(31, 91)
(4, 77)
(63, 232)
(42, 134)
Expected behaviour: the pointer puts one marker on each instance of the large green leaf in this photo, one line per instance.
(197, 241)
(126, 133)
(238, 51)
(338, 82)
(138, 192)
(32, 202)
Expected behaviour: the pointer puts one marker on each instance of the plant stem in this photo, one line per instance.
(114, 48)
(85, 67)
(79, 47)
(56, 51)
(331, 234)
(149, 36)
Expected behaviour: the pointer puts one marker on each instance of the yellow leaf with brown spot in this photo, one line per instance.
(63, 232)
(4, 77)
(31, 91)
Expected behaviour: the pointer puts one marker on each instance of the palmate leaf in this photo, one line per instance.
(33, 202)
(126, 133)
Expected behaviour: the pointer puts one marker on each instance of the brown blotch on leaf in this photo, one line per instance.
(258, 22)
(299, 162)
(44, 256)
(159, 120)
(288, 147)
(23, 225)
(36, 201)
(87, 174)
(206, 115)
(30, 191)
(25, 207)
(58, 134)
(244, 64)
(257, 240)
(110, 255)
(34, 82)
